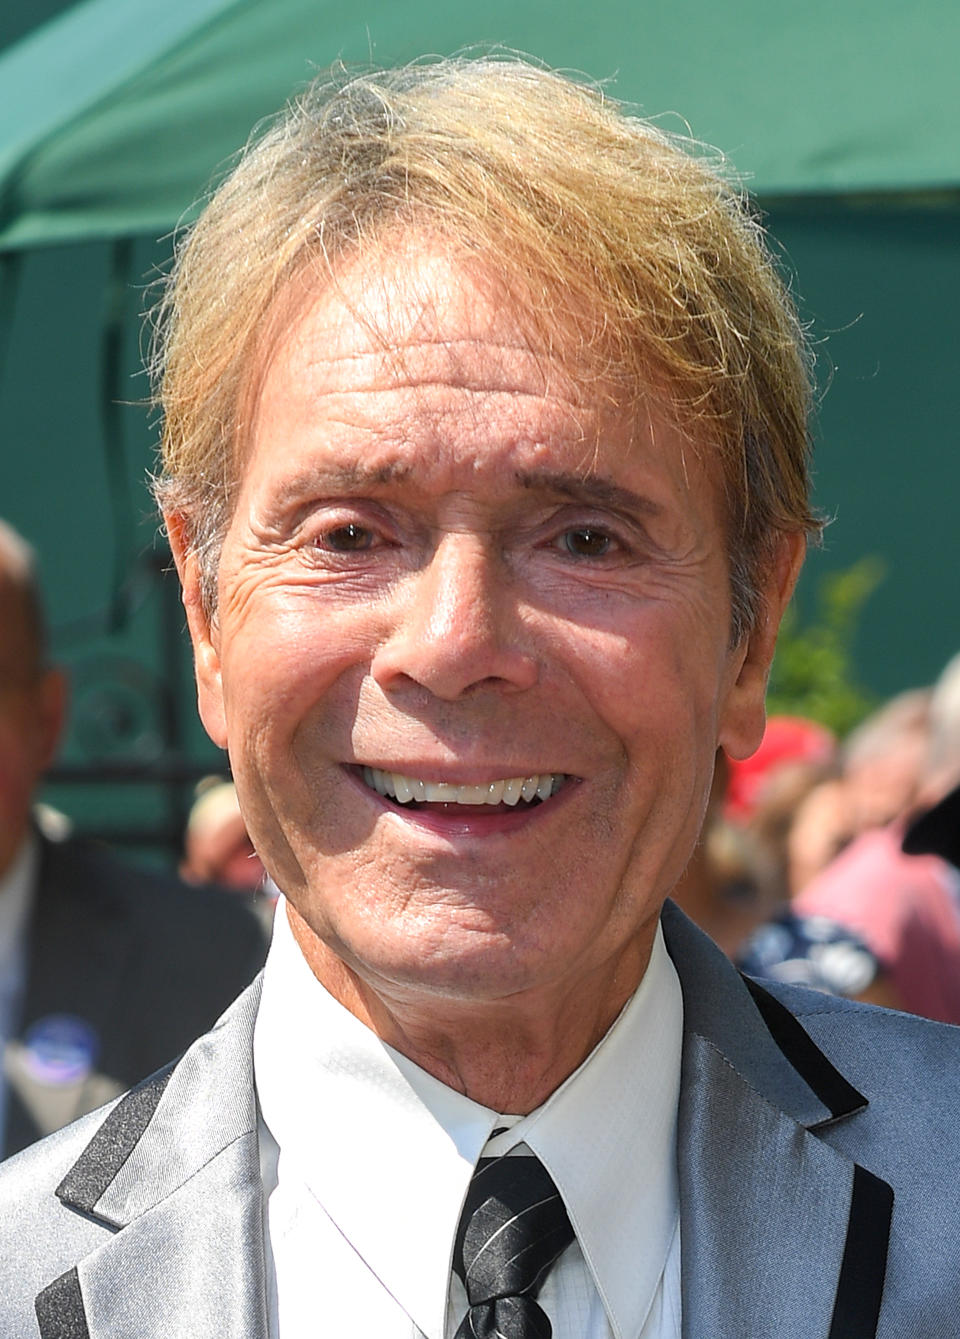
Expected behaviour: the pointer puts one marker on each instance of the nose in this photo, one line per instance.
(457, 626)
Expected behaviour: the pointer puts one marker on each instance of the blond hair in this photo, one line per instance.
(615, 239)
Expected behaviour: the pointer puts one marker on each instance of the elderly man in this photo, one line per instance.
(485, 474)
(105, 969)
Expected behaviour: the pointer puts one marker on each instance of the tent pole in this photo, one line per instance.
(10, 268)
(118, 482)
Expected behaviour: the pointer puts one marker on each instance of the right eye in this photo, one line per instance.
(347, 538)
(587, 541)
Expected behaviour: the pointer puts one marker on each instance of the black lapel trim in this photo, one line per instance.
(834, 1091)
(113, 1143)
(59, 1309)
(860, 1290)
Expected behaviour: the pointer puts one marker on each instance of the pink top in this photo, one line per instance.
(906, 908)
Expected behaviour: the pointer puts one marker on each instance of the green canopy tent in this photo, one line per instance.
(114, 115)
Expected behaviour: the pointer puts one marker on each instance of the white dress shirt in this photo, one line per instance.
(16, 896)
(366, 1160)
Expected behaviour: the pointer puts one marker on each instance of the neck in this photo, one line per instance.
(507, 1054)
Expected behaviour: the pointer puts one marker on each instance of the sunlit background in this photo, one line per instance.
(843, 119)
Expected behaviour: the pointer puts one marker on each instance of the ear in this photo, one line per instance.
(204, 633)
(52, 713)
(743, 714)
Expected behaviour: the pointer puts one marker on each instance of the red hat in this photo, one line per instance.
(787, 739)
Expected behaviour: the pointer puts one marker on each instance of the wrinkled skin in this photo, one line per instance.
(447, 561)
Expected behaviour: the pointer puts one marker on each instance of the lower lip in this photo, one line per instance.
(468, 820)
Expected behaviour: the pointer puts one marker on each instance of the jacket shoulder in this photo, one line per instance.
(908, 1070)
(881, 1046)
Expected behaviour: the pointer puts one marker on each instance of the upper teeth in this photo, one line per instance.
(509, 791)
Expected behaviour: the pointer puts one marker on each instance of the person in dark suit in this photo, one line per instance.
(106, 970)
(486, 477)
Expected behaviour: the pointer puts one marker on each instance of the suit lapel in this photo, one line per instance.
(175, 1170)
(780, 1233)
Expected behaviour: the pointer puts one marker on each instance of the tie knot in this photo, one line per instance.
(512, 1229)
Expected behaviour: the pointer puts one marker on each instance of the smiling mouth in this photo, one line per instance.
(413, 792)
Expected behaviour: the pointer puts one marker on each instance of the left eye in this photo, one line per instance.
(349, 538)
(586, 541)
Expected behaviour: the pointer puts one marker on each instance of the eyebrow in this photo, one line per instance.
(580, 488)
(344, 479)
(588, 488)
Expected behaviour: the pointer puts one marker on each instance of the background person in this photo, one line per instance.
(874, 910)
(217, 848)
(736, 885)
(106, 970)
(885, 761)
(905, 908)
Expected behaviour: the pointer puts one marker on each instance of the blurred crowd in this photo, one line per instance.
(823, 862)
(834, 863)
(217, 849)
(106, 972)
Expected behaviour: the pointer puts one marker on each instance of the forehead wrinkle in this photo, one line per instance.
(387, 349)
(458, 363)
(431, 383)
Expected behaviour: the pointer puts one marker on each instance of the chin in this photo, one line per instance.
(476, 972)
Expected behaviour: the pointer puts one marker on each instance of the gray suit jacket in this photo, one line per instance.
(819, 1181)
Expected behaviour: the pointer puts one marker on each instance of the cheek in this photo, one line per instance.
(658, 697)
(283, 657)
(291, 680)
(658, 681)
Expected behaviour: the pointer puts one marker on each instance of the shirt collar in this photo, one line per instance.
(405, 1144)
(608, 1137)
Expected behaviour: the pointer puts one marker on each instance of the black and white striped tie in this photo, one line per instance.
(512, 1230)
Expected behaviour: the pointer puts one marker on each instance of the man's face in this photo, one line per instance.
(448, 569)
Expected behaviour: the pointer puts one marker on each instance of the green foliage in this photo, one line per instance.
(813, 673)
